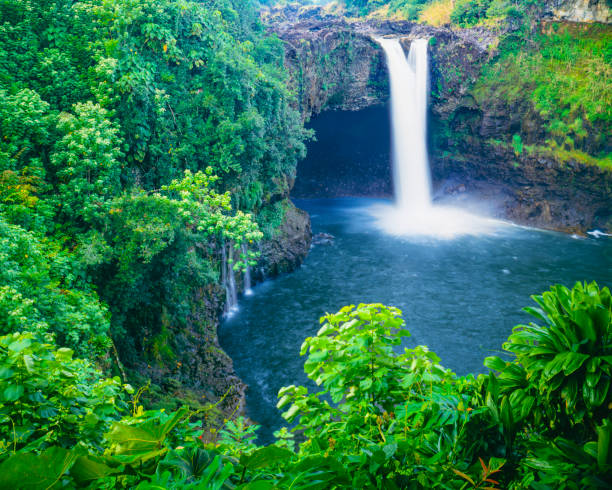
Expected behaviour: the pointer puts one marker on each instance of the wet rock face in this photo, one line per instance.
(579, 10)
(285, 251)
(534, 190)
(337, 65)
(334, 67)
(199, 371)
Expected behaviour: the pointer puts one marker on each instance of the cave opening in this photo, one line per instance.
(350, 155)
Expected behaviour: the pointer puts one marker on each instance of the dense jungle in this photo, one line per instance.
(234, 232)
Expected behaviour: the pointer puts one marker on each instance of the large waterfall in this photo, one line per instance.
(413, 212)
(409, 115)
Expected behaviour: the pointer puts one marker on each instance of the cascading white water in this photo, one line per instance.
(413, 212)
(231, 283)
(228, 280)
(409, 88)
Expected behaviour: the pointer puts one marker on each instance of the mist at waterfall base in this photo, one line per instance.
(460, 297)
(413, 213)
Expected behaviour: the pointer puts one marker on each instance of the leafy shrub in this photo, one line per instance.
(559, 384)
(40, 294)
(382, 419)
(563, 367)
(48, 398)
(517, 144)
(467, 13)
(389, 411)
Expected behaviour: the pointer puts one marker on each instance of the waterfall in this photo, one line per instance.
(228, 280)
(231, 283)
(413, 212)
(248, 291)
(409, 89)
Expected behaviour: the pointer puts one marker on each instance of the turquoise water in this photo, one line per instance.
(461, 297)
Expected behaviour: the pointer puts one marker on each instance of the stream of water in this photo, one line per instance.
(413, 211)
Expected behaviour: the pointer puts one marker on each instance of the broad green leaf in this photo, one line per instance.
(88, 468)
(266, 456)
(19, 345)
(36, 471)
(573, 361)
(13, 392)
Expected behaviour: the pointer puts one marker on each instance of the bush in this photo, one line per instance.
(48, 398)
(382, 419)
(469, 12)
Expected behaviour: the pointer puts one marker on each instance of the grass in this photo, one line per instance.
(385, 13)
(566, 73)
(437, 13)
(557, 154)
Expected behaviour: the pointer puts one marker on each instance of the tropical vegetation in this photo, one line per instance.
(134, 135)
(382, 419)
(145, 147)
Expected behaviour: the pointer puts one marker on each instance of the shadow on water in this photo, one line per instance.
(461, 297)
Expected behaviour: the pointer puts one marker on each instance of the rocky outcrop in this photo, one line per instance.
(579, 10)
(534, 190)
(338, 65)
(288, 247)
(333, 67)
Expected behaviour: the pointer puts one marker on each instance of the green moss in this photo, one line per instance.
(566, 72)
(554, 152)
(565, 156)
(271, 217)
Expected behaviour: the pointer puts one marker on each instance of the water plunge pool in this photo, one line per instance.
(460, 297)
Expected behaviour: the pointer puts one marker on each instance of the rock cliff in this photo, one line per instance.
(337, 65)
(579, 10)
(186, 363)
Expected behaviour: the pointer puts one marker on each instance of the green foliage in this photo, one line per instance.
(565, 73)
(409, 9)
(558, 387)
(39, 294)
(563, 368)
(271, 217)
(48, 398)
(86, 164)
(383, 419)
(465, 13)
(517, 144)
(390, 412)
(114, 117)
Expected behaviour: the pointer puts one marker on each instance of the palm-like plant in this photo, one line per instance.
(564, 365)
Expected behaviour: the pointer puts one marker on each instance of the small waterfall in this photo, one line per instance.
(233, 293)
(413, 212)
(248, 291)
(228, 279)
(409, 89)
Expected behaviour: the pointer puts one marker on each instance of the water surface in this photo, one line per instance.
(459, 296)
